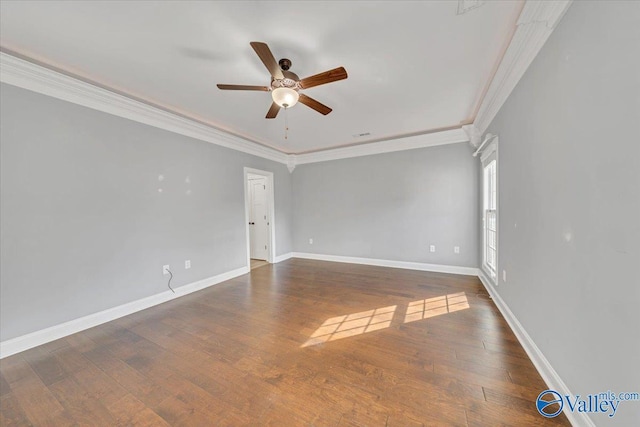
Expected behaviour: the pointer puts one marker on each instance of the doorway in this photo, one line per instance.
(258, 228)
(259, 216)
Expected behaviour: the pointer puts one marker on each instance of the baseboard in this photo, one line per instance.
(34, 339)
(548, 374)
(283, 257)
(437, 268)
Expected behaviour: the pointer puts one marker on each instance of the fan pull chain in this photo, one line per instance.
(286, 124)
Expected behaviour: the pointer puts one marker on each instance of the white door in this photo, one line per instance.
(258, 221)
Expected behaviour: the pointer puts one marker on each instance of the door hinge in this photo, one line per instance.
(264, 186)
(265, 246)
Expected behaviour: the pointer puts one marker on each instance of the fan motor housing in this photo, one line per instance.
(285, 64)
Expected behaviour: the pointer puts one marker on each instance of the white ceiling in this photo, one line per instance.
(414, 67)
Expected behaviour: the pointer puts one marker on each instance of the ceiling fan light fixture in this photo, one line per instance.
(285, 97)
(286, 84)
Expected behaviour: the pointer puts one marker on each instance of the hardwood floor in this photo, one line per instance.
(256, 263)
(301, 342)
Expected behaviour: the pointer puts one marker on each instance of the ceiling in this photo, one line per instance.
(414, 67)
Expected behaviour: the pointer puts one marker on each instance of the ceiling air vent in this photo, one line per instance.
(465, 6)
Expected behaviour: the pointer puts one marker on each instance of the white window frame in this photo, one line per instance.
(489, 155)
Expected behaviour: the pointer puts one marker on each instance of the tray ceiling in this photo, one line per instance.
(414, 67)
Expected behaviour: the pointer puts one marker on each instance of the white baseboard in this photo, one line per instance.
(437, 268)
(282, 257)
(34, 339)
(548, 374)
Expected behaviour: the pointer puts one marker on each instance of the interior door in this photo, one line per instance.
(258, 221)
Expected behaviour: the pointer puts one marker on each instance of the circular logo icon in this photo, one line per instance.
(545, 406)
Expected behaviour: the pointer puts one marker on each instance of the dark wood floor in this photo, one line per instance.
(303, 343)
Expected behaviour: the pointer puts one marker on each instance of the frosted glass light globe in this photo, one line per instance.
(285, 97)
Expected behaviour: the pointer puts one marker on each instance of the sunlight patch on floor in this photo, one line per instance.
(431, 307)
(353, 324)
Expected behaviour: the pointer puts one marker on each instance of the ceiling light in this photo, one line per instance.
(285, 97)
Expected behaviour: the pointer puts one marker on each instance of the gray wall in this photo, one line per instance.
(390, 206)
(84, 227)
(569, 189)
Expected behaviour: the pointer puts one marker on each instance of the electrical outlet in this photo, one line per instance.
(456, 249)
(311, 241)
(432, 248)
(187, 264)
(504, 275)
(165, 269)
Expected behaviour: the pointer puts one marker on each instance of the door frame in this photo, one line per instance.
(271, 233)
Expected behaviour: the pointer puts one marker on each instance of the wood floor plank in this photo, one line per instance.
(301, 342)
(37, 402)
(84, 410)
(144, 389)
(99, 385)
(129, 411)
(81, 342)
(4, 385)
(491, 414)
(45, 366)
(179, 413)
(70, 360)
(11, 414)
(14, 369)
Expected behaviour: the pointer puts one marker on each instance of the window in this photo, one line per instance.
(490, 211)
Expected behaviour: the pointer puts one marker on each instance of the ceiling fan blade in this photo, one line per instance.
(312, 103)
(267, 59)
(243, 87)
(323, 78)
(273, 111)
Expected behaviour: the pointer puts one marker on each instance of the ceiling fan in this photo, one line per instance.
(285, 85)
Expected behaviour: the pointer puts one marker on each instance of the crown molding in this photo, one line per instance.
(451, 136)
(291, 162)
(474, 134)
(36, 78)
(27, 75)
(537, 21)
